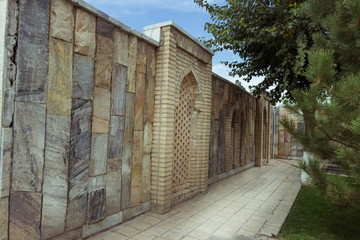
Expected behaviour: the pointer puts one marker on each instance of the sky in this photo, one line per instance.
(140, 13)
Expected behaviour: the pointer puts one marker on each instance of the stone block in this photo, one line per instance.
(145, 178)
(55, 186)
(77, 202)
(141, 57)
(103, 61)
(85, 33)
(6, 155)
(147, 138)
(96, 183)
(83, 85)
(70, 235)
(116, 139)
(4, 218)
(104, 28)
(150, 85)
(99, 148)
(80, 138)
(136, 169)
(62, 20)
(113, 192)
(96, 207)
(114, 165)
(132, 51)
(33, 51)
(139, 102)
(101, 112)
(110, 221)
(29, 144)
(121, 43)
(60, 78)
(118, 90)
(8, 105)
(25, 214)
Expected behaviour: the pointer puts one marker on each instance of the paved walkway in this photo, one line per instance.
(250, 205)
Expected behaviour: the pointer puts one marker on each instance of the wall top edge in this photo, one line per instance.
(122, 26)
(231, 83)
(173, 24)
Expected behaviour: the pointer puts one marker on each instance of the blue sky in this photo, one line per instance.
(140, 13)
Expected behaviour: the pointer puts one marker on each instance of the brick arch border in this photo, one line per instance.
(229, 161)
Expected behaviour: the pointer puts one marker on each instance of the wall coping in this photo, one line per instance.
(122, 26)
(173, 24)
(232, 84)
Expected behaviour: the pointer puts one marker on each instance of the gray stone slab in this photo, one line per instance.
(96, 183)
(116, 139)
(77, 203)
(99, 149)
(113, 192)
(8, 105)
(4, 218)
(6, 155)
(80, 136)
(150, 85)
(118, 90)
(110, 221)
(127, 151)
(104, 28)
(33, 50)
(96, 207)
(29, 144)
(83, 87)
(55, 186)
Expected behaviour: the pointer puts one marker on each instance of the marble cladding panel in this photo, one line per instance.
(99, 149)
(121, 47)
(85, 36)
(29, 144)
(132, 52)
(101, 111)
(33, 51)
(6, 155)
(118, 90)
(62, 20)
(103, 61)
(83, 85)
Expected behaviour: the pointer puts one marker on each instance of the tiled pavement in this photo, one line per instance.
(250, 205)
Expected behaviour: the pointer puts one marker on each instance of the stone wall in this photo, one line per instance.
(240, 132)
(101, 123)
(284, 145)
(77, 121)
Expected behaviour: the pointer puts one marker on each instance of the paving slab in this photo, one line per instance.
(251, 205)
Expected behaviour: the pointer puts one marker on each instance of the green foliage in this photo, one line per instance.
(270, 37)
(315, 217)
(330, 107)
(238, 83)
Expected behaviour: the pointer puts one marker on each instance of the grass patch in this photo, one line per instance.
(313, 217)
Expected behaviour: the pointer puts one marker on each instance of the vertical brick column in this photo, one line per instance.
(259, 132)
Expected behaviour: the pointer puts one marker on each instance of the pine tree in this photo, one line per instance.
(331, 107)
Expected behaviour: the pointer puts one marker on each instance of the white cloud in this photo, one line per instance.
(223, 71)
(136, 6)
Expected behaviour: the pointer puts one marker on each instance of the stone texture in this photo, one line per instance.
(99, 148)
(25, 214)
(4, 217)
(146, 178)
(113, 192)
(116, 139)
(55, 186)
(29, 141)
(96, 183)
(118, 90)
(139, 102)
(127, 152)
(96, 207)
(121, 47)
(6, 155)
(136, 169)
(33, 51)
(103, 61)
(131, 77)
(8, 105)
(147, 138)
(141, 57)
(85, 33)
(150, 85)
(83, 85)
(70, 235)
(110, 221)
(101, 114)
(60, 78)
(104, 28)
(77, 202)
(135, 211)
(80, 139)
(62, 20)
